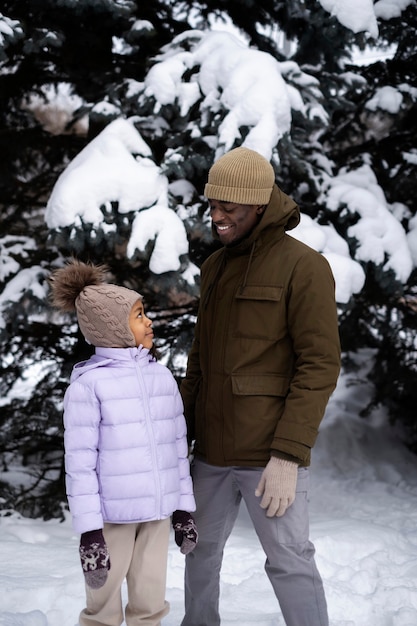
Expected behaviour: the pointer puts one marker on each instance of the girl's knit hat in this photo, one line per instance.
(241, 175)
(102, 309)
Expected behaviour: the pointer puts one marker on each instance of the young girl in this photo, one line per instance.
(127, 470)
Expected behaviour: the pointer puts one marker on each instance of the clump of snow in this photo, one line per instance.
(381, 238)
(388, 9)
(11, 246)
(106, 108)
(386, 98)
(183, 189)
(115, 167)
(348, 274)
(105, 171)
(247, 83)
(361, 15)
(10, 30)
(26, 281)
(142, 25)
(356, 15)
(162, 225)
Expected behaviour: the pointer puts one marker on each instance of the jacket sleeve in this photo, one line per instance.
(190, 385)
(313, 326)
(81, 441)
(187, 502)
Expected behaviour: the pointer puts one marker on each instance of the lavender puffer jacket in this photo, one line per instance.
(125, 441)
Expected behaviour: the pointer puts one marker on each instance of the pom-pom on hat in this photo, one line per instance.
(241, 175)
(102, 309)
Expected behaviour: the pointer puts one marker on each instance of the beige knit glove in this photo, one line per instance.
(277, 485)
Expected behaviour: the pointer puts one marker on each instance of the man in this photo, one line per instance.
(264, 361)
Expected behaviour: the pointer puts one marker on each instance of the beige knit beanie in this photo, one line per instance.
(102, 309)
(241, 175)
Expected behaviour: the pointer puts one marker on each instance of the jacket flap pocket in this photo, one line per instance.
(256, 385)
(260, 292)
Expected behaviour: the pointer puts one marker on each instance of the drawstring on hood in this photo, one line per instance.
(252, 250)
(222, 261)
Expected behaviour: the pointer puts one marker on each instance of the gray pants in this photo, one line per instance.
(290, 563)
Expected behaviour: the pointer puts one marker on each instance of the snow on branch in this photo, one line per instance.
(225, 74)
(115, 168)
(381, 238)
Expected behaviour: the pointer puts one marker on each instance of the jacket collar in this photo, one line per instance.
(108, 356)
(124, 354)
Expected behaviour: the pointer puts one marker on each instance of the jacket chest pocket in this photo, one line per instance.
(260, 312)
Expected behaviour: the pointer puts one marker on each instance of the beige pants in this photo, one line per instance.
(139, 554)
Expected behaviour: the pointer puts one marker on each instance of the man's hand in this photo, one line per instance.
(277, 485)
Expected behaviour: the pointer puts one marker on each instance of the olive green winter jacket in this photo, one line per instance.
(266, 354)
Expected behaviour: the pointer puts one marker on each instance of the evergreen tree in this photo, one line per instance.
(383, 316)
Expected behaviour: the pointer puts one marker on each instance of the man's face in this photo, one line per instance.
(233, 222)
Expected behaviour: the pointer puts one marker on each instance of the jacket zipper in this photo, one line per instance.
(151, 437)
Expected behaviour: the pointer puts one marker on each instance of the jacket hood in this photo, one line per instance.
(282, 212)
(104, 356)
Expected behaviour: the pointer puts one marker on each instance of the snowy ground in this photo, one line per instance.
(363, 523)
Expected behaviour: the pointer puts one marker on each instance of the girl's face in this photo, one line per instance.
(141, 326)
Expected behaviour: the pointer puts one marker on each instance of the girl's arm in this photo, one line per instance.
(81, 443)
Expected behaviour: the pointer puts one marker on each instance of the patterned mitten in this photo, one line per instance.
(186, 535)
(95, 559)
(277, 485)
